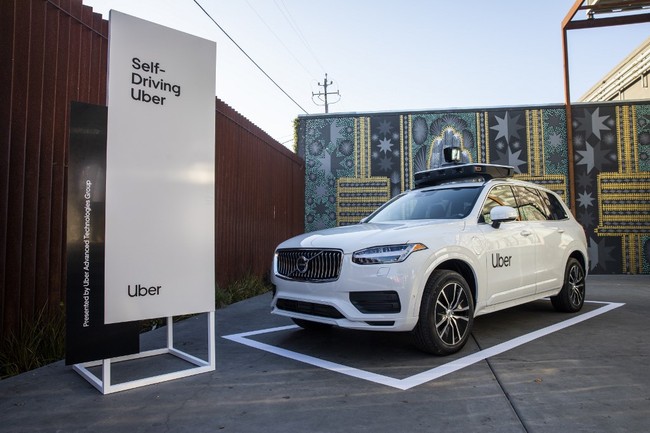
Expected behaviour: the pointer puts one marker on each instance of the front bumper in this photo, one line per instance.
(373, 297)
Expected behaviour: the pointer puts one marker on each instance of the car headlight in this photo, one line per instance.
(385, 254)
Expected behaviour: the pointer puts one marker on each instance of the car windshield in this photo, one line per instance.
(445, 203)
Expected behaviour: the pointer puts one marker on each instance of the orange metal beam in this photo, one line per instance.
(569, 24)
(567, 103)
(608, 22)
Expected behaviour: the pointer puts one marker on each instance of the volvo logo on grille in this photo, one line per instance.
(302, 264)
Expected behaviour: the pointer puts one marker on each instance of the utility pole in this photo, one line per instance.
(323, 95)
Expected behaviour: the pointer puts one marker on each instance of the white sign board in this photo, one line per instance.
(160, 172)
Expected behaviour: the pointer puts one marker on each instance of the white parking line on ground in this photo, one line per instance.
(425, 376)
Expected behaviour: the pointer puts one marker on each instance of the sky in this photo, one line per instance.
(385, 55)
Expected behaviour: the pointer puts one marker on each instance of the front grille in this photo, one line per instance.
(309, 264)
(310, 308)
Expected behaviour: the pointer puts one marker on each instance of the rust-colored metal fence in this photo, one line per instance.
(260, 199)
(53, 52)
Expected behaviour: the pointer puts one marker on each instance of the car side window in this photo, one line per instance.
(558, 212)
(531, 207)
(500, 195)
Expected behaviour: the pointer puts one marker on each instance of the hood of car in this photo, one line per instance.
(358, 236)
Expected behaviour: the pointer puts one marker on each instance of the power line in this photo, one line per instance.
(249, 57)
(280, 40)
(294, 25)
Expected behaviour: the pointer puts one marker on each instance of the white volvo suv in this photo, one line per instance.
(468, 240)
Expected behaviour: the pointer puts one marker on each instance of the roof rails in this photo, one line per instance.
(455, 172)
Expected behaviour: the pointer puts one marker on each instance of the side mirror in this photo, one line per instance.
(502, 214)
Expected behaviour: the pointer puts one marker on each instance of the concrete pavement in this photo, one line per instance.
(582, 374)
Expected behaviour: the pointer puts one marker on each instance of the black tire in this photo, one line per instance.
(446, 314)
(572, 296)
(311, 326)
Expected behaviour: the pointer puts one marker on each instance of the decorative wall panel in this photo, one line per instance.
(356, 162)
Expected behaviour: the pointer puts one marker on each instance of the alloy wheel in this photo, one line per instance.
(452, 314)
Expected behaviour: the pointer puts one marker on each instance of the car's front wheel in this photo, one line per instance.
(572, 296)
(446, 314)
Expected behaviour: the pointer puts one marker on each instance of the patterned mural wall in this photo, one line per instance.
(354, 163)
(612, 176)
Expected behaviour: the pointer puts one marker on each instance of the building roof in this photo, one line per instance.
(628, 71)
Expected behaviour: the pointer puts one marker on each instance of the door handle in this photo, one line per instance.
(526, 233)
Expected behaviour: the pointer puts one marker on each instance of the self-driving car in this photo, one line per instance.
(469, 239)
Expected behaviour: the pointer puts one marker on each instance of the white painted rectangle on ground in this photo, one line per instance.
(425, 376)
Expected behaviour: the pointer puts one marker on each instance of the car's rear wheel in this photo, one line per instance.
(446, 314)
(572, 296)
(311, 326)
